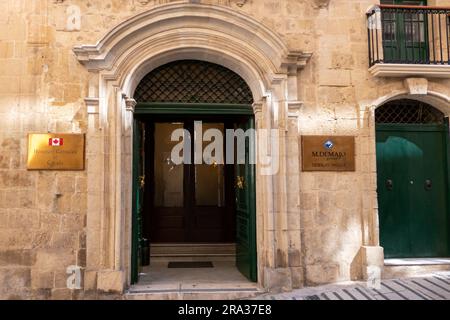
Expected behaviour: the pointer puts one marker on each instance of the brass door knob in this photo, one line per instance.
(240, 182)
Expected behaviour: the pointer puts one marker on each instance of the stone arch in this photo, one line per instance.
(118, 62)
(183, 31)
(433, 98)
(410, 111)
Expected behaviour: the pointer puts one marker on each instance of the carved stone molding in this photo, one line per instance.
(92, 105)
(130, 104)
(239, 3)
(416, 86)
(294, 109)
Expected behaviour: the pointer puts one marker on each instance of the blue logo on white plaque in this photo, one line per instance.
(328, 144)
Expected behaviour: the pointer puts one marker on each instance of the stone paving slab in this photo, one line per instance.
(433, 286)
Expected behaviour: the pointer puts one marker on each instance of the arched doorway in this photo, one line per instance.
(413, 179)
(175, 31)
(203, 201)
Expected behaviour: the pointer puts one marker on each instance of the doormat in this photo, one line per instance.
(190, 264)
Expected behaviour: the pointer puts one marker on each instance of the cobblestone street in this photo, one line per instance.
(435, 286)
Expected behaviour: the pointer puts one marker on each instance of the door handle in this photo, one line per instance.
(428, 184)
(389, 184)
(142, 182)
(240, 182)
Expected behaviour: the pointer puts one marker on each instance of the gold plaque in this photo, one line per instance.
(56, 151)
(328, 153)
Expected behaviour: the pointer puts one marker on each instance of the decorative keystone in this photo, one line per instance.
(416, 86)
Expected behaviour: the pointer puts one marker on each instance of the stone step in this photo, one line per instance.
(199, 294)
(402, 271)
(193, 250)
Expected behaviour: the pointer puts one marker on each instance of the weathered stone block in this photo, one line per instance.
(9, 258)
(14, 278)
(41, 240)
(341, 60)
(61, 294)
(308, 201)
(65, 184)
(278, 280)
(90, 280)
(81, 184)
(297, 277)
(321, 273)
(372, 256)
(64, 240)
(81, 258)
(335, 78)
(52, 259)
(16, 178)
(73, 223)
(110, 281)
(23, 219)
(12, 239)
(79, 203)
(42, 279)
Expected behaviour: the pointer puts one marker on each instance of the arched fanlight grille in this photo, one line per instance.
(192, 81)
(408, 112)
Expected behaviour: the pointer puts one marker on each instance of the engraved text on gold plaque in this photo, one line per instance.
(328, 153)
(56, 151)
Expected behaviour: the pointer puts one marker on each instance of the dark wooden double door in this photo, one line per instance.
(210, 202)
(187, 203)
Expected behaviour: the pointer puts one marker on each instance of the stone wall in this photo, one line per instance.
(42, 89)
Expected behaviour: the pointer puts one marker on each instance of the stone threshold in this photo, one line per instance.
(142, 292)
(417, 262)
(215, 290)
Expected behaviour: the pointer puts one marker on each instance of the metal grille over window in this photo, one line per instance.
(409, 112)
(191, 81)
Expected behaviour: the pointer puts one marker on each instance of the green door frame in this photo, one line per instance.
(193, 108)
(431, 128)
(447, 155)
(136, 203)
(200, 109)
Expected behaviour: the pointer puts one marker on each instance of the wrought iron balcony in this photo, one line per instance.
(417, 35)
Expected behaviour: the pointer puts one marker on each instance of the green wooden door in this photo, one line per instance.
(138, 198)
(246, 260)
(405, 36)
(412, 190)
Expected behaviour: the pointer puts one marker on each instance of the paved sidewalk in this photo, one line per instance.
(435, 286)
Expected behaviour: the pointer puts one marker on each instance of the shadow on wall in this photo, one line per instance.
(321, 3)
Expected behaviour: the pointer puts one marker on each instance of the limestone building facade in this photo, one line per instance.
(313, 67)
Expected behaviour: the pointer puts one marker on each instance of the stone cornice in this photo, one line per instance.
(239, 3)
(410, 70)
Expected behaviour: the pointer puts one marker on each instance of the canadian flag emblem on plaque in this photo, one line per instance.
(56, 142)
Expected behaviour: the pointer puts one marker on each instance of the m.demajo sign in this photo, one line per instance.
(328, 153)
